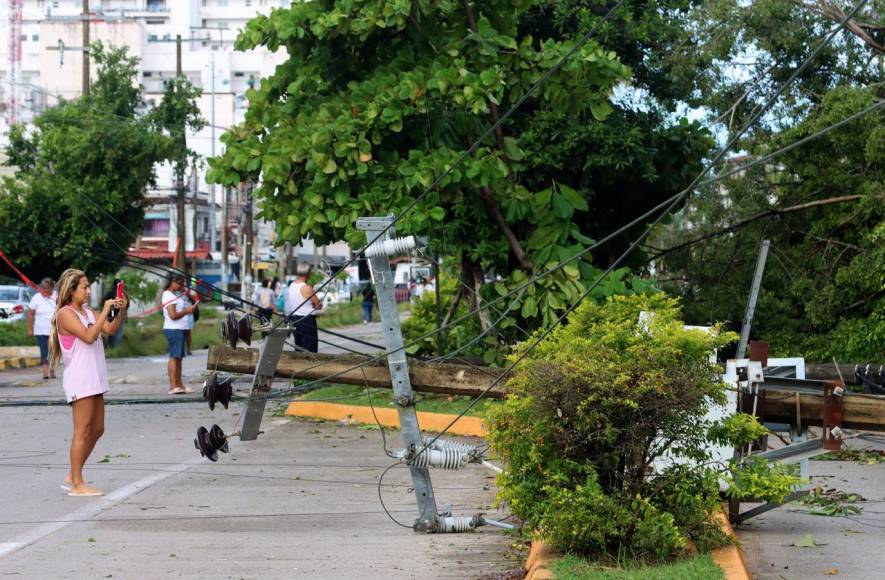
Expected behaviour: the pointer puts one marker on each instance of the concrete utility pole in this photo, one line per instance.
(284, 250)
(179, 172)
(225, 268)
(751, 302)
(85, 48)
(246, 285)
(212, 225)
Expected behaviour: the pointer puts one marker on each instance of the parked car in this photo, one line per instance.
(14, 302)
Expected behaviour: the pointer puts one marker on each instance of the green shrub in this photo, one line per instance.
(590, 411)
(15, 334)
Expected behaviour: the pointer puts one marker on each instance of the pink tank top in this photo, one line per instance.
(85, 367)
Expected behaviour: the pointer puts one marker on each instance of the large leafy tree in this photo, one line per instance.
(819, 205)
(823, 293)
(81, 172)
(378, 98)
(80, 162)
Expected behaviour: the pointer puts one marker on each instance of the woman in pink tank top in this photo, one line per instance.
(75, 336)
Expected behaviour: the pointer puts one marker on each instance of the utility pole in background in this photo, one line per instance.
(212, 224)
(85, 17)
(246, 269)
(285, 251)
(225, 267)
(179, 171)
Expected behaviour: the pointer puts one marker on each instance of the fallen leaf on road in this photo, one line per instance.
(807, 541)
(831, 572)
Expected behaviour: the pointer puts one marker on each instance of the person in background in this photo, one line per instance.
(175, 321)
(191, 301)
(265, 301)
(368, 302)
(75, 334)
(41, 309)
(117, 339)
(304, 305)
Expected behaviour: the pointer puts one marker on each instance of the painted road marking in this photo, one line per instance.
(94, 508)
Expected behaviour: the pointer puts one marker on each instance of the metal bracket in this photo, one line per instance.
(831, 415)
(766, 507)
(269, 357)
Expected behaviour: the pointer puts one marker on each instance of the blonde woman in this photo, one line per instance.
(76, 336)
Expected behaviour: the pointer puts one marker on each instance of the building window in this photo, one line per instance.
(222, 2)
(24, 36)
(35, 37)
(152, 38)
(248, 2)
(156, 228)
(148, 74)
(167, 36)
(55, 4)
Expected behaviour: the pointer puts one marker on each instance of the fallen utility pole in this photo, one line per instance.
(445, 378)
(865, 412)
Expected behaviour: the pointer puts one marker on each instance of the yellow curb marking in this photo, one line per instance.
(435, 422)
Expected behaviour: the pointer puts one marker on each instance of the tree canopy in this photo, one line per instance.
(81, 171)
(820, 204)
(378, 98)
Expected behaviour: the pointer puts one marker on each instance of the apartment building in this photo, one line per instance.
(44, 63)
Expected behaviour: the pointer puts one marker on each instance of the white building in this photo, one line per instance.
(51, 68)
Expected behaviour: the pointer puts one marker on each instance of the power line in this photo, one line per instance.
(645, 233)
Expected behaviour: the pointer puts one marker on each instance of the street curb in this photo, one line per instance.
(730, 558)
(540, 558)
(19, 362)
(436, 422)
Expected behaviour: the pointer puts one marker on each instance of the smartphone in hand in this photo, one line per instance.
(115, 311)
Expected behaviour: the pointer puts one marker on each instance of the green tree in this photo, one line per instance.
(378, 98)
(823, 293)
(79, 158)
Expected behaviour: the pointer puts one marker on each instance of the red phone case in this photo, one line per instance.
(119, 290)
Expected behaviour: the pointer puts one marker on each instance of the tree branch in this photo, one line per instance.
(492, 206)
(499, 132)
(758, 216)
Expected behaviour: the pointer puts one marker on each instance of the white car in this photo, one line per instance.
(14, 302)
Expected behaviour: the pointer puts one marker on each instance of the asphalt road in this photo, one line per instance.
(792, 543)
(300, 502)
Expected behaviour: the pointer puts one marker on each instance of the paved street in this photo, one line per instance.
(300, 502)
(843, 547)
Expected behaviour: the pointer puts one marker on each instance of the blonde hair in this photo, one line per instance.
(68, 282)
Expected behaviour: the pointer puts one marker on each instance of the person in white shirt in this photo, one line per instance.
(304, 304)
(41, 309)
(176, 313)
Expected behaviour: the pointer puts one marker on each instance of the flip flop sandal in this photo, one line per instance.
(93, 493)
(65, 486)
(176, 391)
(188, 390)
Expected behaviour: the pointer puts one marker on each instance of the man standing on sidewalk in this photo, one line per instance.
(304, 304)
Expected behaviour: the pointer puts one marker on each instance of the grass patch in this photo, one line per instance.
(144, 336)
(702, 567)
(349, 313)
(426, 402)
(15, 334)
